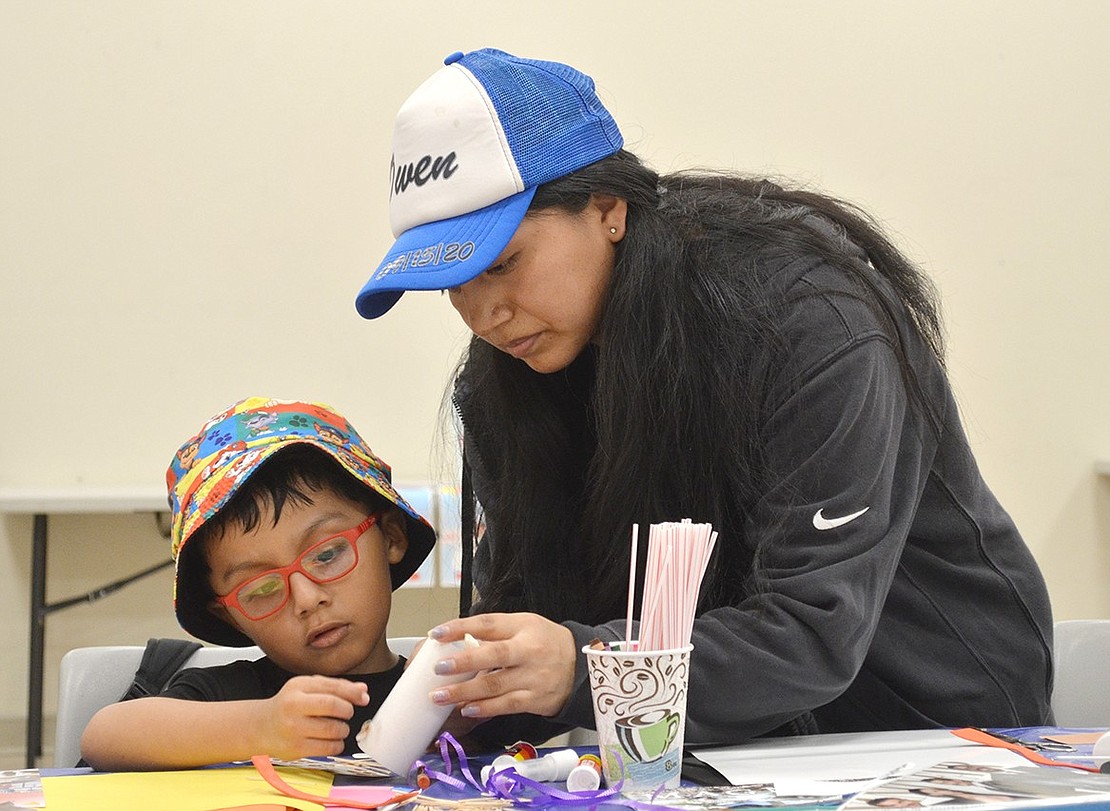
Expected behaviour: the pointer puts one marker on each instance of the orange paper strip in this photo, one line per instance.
(985, 738)
(270, 775)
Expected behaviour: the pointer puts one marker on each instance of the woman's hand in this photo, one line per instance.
(525, 664)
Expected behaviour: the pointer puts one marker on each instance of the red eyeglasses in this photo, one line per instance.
(332, 558)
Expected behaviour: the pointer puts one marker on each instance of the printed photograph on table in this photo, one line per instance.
(951, 784)
(757, 795)
(21, 788)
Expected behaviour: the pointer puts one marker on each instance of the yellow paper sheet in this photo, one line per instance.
(194, 790)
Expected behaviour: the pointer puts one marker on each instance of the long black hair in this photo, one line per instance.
(660, 418)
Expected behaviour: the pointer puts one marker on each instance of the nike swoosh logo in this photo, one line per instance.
(821, 522)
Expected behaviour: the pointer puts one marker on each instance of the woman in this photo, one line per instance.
(710, 347)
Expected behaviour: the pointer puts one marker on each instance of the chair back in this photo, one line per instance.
(1081, 691)
(94, 677)
(403, 645)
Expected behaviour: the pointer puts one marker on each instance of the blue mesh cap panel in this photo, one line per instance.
(553, 121)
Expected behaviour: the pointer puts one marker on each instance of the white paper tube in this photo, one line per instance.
(408, 720)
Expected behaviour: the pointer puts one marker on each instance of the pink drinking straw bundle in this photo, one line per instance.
(677, 557)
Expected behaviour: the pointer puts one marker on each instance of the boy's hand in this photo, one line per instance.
(308, 717)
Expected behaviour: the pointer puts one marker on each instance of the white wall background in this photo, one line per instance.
(191, 193)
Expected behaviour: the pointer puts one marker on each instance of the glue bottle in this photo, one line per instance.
(586, 775)
(550, 768)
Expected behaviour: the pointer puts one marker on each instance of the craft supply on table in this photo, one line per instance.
(552, 767)
(586, 774)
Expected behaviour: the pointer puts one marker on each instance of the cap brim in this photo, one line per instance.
(442, 254)
(422, 539)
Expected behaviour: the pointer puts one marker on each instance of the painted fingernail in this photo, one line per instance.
(438, 632)
(445, 667)
(439, 697)
(469, 711)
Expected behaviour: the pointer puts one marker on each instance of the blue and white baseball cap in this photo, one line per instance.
(470, 146)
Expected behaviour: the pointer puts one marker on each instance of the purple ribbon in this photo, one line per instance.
(507, 784)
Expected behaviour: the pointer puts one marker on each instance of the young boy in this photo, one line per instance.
(287, 535)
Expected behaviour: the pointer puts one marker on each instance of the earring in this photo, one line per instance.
(613, 229)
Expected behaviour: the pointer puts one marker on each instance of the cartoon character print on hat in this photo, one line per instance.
(211, 466)
(329, 433)
(188, 454)
(221, 458)
(258, 423)
(229, 481)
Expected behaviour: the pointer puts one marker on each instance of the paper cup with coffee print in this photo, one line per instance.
(640, 709)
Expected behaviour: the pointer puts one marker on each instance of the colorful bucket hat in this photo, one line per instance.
(211, 467)
(470, 147)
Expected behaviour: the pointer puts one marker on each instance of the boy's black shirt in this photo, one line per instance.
(247, 680)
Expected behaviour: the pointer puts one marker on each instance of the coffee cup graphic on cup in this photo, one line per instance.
(647, 736)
